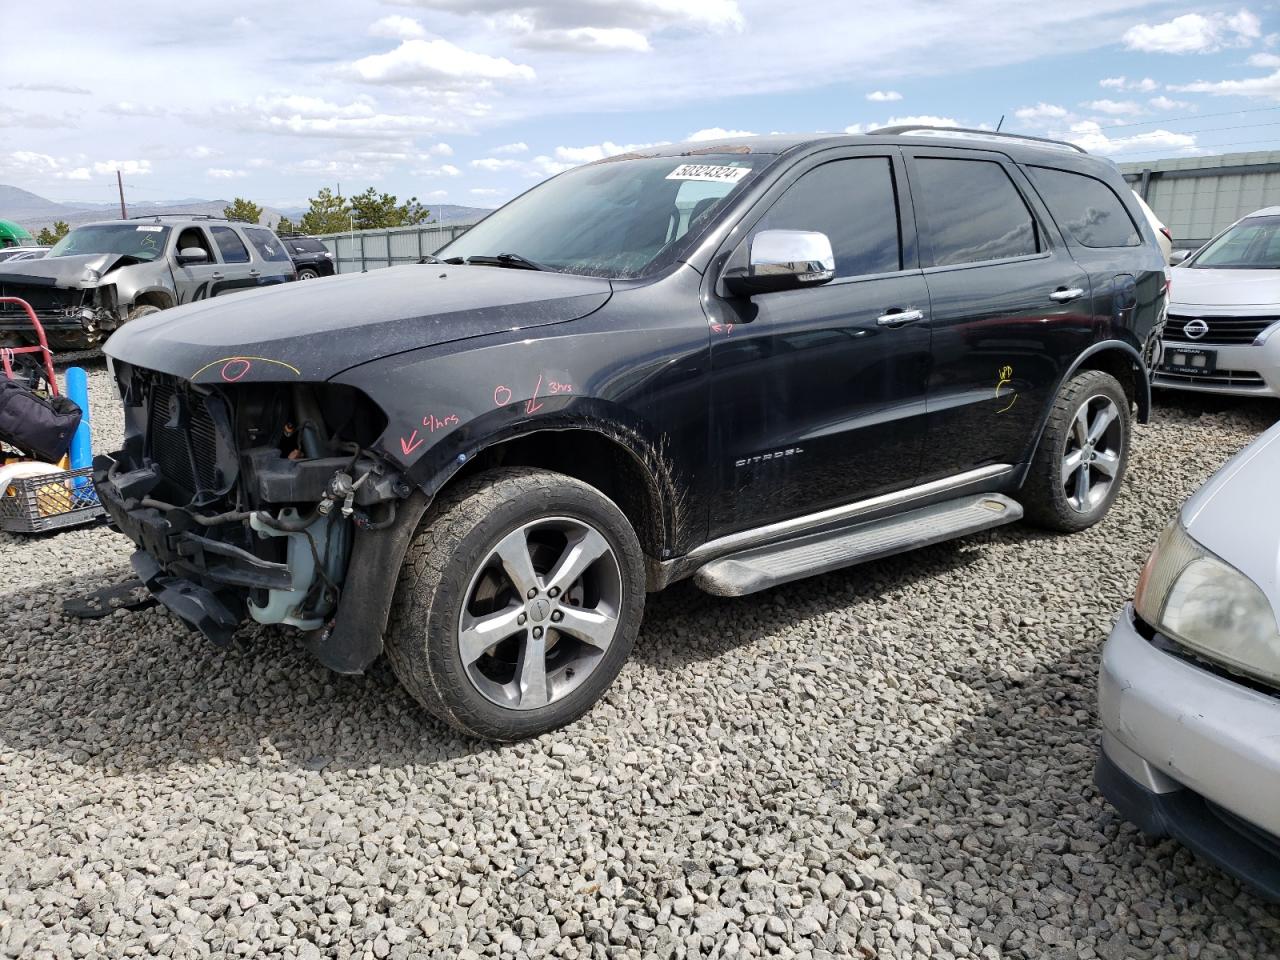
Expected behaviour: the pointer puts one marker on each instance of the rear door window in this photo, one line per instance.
(973, 211)
(230, 245)
(269, 248)
(854, 203)
(1086, 209)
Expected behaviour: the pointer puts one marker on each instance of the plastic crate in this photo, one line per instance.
(51, 502)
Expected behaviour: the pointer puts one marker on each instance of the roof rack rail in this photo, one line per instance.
(178, 216)
(972, 132)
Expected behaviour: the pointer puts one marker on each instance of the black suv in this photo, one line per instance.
(310, 257)
(744, 363)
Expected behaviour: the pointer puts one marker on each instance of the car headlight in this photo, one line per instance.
(1204, 603)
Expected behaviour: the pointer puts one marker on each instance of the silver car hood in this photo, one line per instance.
(1236, 513)
(1196, 287)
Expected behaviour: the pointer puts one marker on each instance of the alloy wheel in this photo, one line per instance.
(1091, 460)
(539, 613)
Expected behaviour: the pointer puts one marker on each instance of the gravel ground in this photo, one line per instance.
(892, 761)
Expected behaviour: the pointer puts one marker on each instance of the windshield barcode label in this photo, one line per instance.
(706, 171)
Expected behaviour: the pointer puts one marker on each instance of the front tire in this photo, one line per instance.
(519, 600)
(1080, 462)
(308, 273)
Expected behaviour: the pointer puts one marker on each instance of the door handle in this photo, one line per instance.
(1066, 294)
(216, 276)
(255, 273)
(899, 318)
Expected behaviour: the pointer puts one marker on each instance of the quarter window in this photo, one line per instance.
(232, 247)
(268, 247)
(974, 212)
(1087, 209)
(854, 203)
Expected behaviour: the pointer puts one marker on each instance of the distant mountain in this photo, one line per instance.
(24, 206)
(35, 212)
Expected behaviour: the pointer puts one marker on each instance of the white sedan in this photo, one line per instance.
(1189, 691)
(1224, 313)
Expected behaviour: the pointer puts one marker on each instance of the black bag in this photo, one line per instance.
(37, 425)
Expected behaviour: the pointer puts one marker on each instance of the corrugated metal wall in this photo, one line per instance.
(1198, 196)
(370, 249)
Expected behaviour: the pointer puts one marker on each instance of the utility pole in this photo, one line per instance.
(124, 214)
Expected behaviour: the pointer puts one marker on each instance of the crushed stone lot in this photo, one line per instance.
(890, 761)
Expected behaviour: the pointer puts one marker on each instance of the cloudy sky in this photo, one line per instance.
(472, 101)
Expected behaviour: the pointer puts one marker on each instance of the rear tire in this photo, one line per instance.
(1080, 462)
(485, 634)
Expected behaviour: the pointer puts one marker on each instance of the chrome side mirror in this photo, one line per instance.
(1177, 256)
(783, 260)
(190, 256)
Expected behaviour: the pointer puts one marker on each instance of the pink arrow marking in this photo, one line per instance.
(408, 446)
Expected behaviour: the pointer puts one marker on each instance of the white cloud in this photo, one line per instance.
(130, 168)
(510, 148)
(593, 26)
(1167, 103)
(32, 121)
(51, 88)
(444, 170)
(636, 14)
(597, 151)
(1265, 61)
(883, 96)
(306, 116)
(1268, 86)
(485, 192)
(1195, 33)
(1041, 113)
(718, 133)
(129, 108)
(494, 164)
(1114, 108)
(1088, 134)
(588, 40)
(436, 195)
(200, 152)
(224, 173)
(438, 63)
(396, 27)
(1145, 85)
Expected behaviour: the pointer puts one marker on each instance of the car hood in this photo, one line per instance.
(63, 271)
(318, 328)
(1195, 287)
(1236, 514)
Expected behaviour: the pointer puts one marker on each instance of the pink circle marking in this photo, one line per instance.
(230, 377)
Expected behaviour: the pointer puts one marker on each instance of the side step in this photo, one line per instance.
(762, 567)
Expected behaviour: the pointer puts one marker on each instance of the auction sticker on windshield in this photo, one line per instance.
(705, 171)
(150, 229)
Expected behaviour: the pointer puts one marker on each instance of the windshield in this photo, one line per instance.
(142, 241)
(616, 219)
(1252, 244)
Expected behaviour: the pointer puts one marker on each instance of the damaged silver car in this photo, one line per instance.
(101, 275)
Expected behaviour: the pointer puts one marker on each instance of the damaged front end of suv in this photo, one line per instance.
(77, 299)
(246, 499)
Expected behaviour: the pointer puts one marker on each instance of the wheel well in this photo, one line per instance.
(605, 463)
(154, 298)
(1124, 368)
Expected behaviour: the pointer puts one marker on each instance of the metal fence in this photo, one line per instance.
(1198, 196)
(361, 250)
